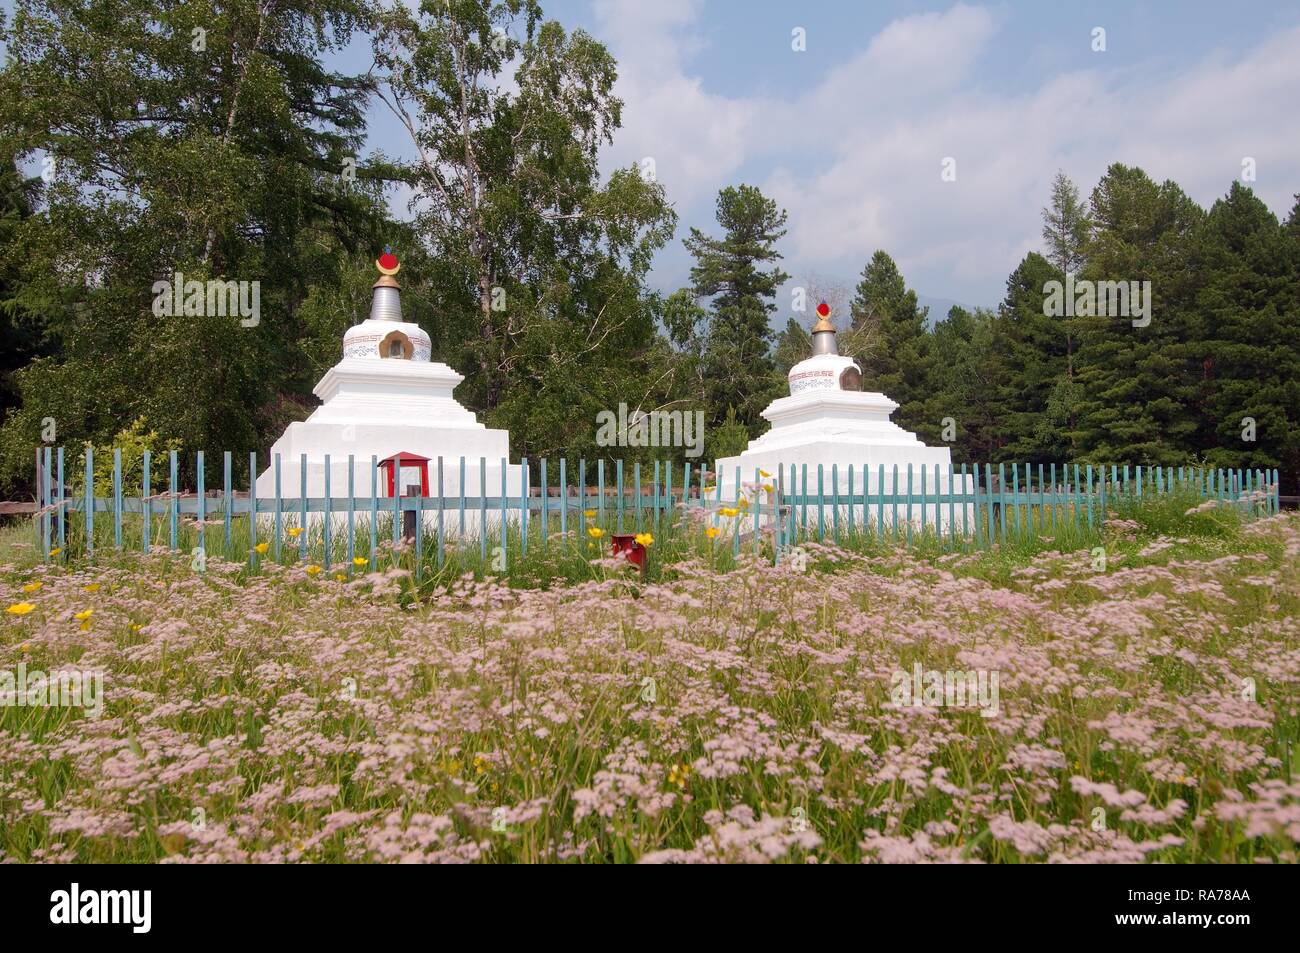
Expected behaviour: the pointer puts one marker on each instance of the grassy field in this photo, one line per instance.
(1138, 696)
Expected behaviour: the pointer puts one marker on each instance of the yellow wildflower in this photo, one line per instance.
(93, 587)
(20, 608)
(590, 514)
(261, 548)
(728, 511)
(595, 532)
(294, 532)
(339, 577)
(644, 539)
(764, 474)
(712, 532)
(313, 570)
(84, 614)
(56, 551)
(33, 586)
(359, 561)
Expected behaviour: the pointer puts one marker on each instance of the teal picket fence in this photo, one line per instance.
(962, 507)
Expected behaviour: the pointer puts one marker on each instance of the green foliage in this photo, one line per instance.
(886, 311)
(728, 439)
(229, 154)
(219, 155)
(132, 441)
(737, 370)
(540, 266)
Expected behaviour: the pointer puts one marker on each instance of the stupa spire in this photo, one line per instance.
(386, 305)
(823, 332)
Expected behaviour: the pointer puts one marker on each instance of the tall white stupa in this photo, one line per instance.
(387, 396)
(829, 420)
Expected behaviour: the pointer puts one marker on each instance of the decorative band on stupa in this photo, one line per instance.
(386, 305)
(823, 332)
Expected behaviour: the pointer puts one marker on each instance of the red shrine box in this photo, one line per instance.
(625, 545)
(393, 465)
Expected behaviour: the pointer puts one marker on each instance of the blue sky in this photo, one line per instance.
(849, 135)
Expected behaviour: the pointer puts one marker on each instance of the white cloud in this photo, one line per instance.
(887, 116)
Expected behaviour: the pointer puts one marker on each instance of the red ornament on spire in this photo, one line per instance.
(387, 263)
(823, 310)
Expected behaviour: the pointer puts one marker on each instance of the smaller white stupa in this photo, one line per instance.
(828, 420)
(387, 396)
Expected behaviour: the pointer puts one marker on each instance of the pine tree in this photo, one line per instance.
(737, 366)
(886, 312)
(793, 345)
(1065, 230)
(182, 137)
(966, 394)
(1250, 386)
(1138, 383)
(1036, 394)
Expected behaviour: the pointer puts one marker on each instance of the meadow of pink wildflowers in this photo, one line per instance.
(1147, 711)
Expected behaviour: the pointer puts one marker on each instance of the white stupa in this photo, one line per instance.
(387, 396)
(829, 420)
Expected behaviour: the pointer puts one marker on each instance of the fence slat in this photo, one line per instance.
(524, 490)
(352, 511)
(1015, 497)
(279, 522)
(582, 499)
(1001, 497)
(988, 499)
(618, 466)
(482, 508)
(374, 505)
(327, 529)
(1088, 496)
(227, 494)
(851, 506)
(252, 506)
(924, 490)
(62, 487)
(668, 494)
(176, 497)
(442, 527)
(546, 514)
(523, 509)
(200, 478)
(419, 530)
(655, 501)
(302, 508)
(146, 505)
(564, 498)
(504, 547)
(735, 520)
(117, 497)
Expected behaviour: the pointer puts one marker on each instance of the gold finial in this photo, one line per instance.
(823, 319)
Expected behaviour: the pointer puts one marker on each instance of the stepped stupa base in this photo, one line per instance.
(829, 439)
(385, 397)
